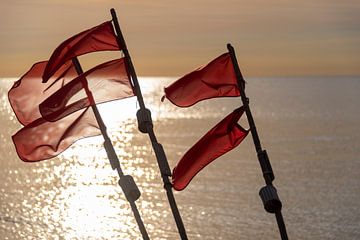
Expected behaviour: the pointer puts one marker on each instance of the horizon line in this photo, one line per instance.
(253, 77)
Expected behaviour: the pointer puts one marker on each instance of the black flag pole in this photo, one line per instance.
(268, 194)
(126, 182)
(145, 125)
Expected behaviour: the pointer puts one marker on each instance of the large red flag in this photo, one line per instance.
(27, 93)
(222, 138)
(99, 38)
(42, 140)
(216, 79)
(108, 81)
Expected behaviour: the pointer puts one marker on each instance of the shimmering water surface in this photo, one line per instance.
(309, 126)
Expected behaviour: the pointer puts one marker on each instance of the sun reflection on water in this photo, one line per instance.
(86, 201)
(76, 195)
(90, 204)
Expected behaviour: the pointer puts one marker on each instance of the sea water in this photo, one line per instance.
(310, 127)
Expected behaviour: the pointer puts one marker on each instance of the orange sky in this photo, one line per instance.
(171, 38)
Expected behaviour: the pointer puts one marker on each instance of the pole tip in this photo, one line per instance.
(229, 46)
(112, 11)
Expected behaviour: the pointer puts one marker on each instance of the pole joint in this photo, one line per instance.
(266, 167)
(144, 120)
(247, 100)
(110, 152)
(270, 199)
(167, 185)
(129, 187)
(162, 160)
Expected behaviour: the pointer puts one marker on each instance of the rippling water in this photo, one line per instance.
(309, 126)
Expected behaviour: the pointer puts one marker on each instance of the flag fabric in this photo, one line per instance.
(28, 92)
(216, 79)
(222, 138)
(61, 97)
(40, 139)
(107, 82)
(99, 38)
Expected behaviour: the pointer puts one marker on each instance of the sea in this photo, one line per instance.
(310, 127)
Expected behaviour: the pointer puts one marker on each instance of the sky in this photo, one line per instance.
(172, 38)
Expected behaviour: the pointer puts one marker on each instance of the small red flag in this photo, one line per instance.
(216, 79)
(222, 138)
(107, 82)
(99, 38)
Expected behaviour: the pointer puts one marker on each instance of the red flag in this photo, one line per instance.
(42, 140)
(222, 138)
(28, 92)
(108, 81)
(216, 79)
(99, 38)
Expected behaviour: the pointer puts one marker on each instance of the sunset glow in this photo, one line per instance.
(170, 38)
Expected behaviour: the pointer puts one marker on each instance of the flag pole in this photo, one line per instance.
(126, 182)
(145, 125)
(268, 194)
